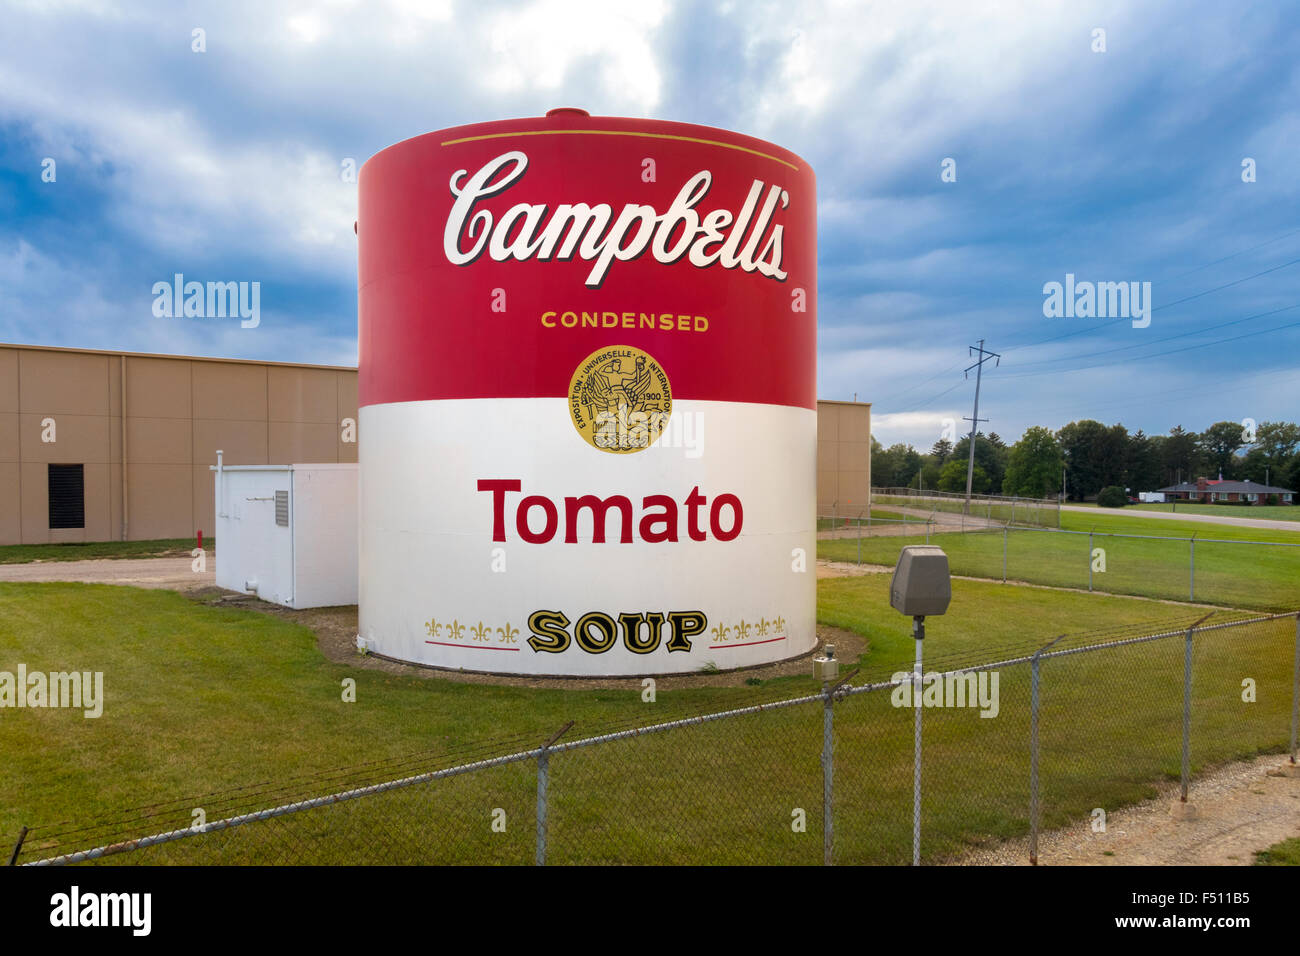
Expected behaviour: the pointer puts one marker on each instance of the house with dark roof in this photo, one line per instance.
(1209, 490)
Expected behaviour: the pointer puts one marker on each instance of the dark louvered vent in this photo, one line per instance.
(67, 496)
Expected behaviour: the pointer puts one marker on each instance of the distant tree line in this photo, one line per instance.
(1095, 456)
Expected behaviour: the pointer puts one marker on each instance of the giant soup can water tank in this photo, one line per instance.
(588, 417)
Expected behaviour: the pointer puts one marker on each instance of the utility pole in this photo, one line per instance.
(975, 419)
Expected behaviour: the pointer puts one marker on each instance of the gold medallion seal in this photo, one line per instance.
(620, 399)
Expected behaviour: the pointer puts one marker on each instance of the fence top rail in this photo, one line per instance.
(960, 496)
(1158, 537)
(415, 779)
(1044, 653)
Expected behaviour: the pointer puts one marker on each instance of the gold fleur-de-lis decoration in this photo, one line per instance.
(764, 625)
(720, 632)
(742, 630)
(779, 623)
(433, 627)
(507, 634)
(481, 632)
(455, 630)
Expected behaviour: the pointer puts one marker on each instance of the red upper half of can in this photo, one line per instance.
(494, 258)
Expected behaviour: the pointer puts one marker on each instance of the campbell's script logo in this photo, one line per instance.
(594, 233)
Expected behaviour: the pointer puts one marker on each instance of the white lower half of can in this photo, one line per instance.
(437, 589)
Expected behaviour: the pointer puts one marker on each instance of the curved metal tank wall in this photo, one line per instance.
(588, 420)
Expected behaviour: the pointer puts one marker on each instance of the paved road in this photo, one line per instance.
(942, 522)
(174, 573)
(1263, 523)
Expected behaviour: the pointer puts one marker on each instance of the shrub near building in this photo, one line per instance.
(1112, 496)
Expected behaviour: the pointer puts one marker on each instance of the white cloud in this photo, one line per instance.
(538, 45)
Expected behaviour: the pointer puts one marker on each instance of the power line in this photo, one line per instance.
(917, 408)
(1177, 394)
(926, 381)
(1168, 338)
(1167, 305)
(946, 391)
(1235, 254)
(1142, 358)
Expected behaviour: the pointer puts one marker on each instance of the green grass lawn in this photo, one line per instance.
(201, 700)
(1273, 512)
(1286, 853)
(23, 553)
(1132, 522)
(825, 523)
(1041, 514)
(1249, 575)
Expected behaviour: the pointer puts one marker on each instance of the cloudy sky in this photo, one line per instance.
(1115, 156)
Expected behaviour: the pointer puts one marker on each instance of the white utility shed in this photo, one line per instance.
(288, 533)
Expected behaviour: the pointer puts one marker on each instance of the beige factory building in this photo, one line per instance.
(74, 422)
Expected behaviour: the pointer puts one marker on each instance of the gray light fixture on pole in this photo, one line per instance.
(921, 586)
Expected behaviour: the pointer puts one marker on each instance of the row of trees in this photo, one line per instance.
(1093, 457)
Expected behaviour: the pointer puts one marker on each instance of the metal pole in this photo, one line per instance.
(918, 629)
(543, 782)
(828, 766)
(1035, 803)
(1295, 691)
(1089, 560)
(974, 426)
(828, 772)
(1004, 555)
(22, 835)
(543, 776)
(1033, 761)
(1192, 569)
(860, 538)
(1187, 711)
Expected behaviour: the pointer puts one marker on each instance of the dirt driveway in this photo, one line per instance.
(1240, 808)
(173, 573)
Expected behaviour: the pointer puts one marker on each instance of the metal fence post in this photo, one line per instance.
(22, 834)
(1089, 560)
(860, 538)
(1295, 691)
(1004, 554)
(1187, 712)
(828, 772)
(543, 776)
(1187, 706)
(1035, 804)
(1192, 569)
(1033, 761)
(828, 767)
(543, 783)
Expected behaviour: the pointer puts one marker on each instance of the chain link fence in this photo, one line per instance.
(1000, 509)
(1208, 570)
(1049, 735)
